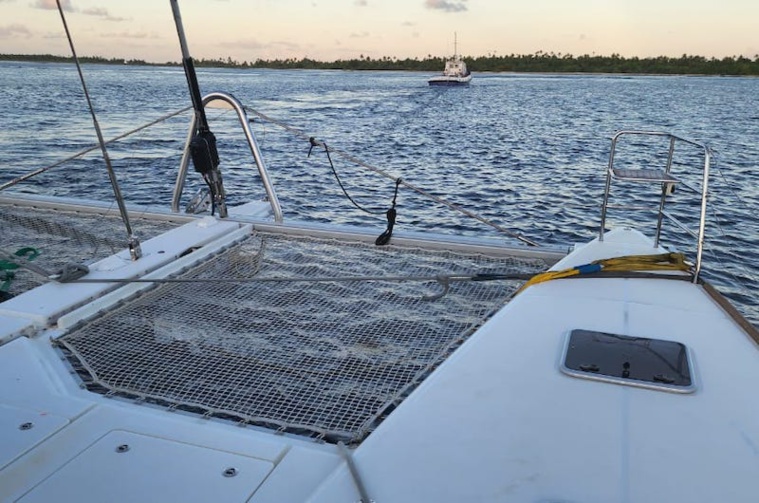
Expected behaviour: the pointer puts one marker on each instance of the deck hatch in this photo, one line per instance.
(622, 359)
(324, 359)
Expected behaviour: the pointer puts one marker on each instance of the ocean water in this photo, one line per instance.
(525, 152)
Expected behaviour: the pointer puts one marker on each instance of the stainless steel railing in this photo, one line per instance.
(664, 178)
(255, 151)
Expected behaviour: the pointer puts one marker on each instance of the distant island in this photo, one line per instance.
(539, 62)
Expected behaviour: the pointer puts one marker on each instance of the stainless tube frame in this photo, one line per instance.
(673, 139)
(254, 149)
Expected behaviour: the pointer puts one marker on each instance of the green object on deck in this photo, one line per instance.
(8, 266)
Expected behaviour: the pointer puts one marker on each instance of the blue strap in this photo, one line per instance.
(589, 268)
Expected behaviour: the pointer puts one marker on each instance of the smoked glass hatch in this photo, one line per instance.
(623, 359)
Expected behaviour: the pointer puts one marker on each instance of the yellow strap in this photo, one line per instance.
(660, 262)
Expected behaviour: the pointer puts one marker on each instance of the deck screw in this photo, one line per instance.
(122, 448)
(230, 472)
(26, 426)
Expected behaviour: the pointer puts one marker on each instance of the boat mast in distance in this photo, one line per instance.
(455, 73)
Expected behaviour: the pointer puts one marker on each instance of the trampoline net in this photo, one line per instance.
(323, 356)
(60, 237)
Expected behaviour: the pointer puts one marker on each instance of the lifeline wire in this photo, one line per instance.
(315, 143)
(380, 172)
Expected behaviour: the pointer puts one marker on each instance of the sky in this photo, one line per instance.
(326, 30)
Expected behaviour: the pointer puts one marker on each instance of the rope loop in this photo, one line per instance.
(70, 272)
(390, 214)
(316, 143)
(628, 263)
(384, 238)
(445, 283)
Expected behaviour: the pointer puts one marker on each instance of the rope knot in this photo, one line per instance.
(314, 143)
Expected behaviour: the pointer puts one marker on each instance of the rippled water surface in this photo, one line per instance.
(526, 152)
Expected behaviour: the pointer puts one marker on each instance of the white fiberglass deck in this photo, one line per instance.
(499, 421)
(496, 422)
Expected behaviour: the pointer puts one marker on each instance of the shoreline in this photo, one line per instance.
(523, 64)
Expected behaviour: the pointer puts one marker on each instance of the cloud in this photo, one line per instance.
(363, 34)
(252, 44)
(100, 12)
(244, 44)
(14, 30)
(445, 5)
(361, 3)
(51, 5)
(125, 34)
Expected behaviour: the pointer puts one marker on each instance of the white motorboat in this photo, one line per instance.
(455, 72)
(240, 357)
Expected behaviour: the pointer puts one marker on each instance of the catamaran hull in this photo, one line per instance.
(450, 81)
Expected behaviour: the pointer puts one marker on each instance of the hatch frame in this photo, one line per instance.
(634, 342)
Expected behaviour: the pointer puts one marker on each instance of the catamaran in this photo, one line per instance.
(231, 355)
(455, 72)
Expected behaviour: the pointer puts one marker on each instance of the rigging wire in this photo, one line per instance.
(133, 243)
(296, 132)
(87, 150)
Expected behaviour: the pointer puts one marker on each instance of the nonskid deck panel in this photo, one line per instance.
(326, 359)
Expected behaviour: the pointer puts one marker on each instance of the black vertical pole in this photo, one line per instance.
(205, 156)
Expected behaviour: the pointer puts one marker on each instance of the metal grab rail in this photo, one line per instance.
(252, 143)
(664, 178)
